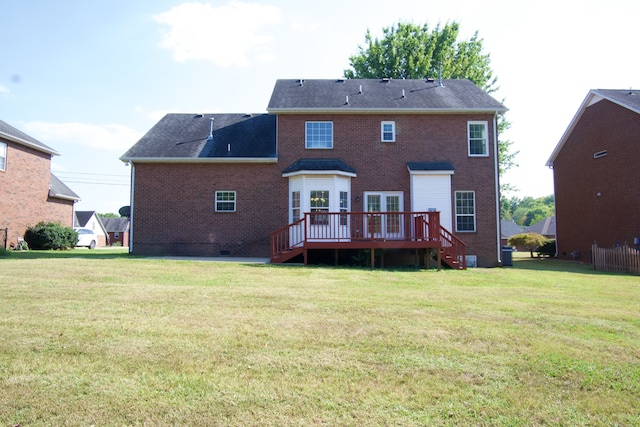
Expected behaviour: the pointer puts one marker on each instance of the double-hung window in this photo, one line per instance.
(225, 201)
(465, 211)
(478, 139)
(319, 202)
(388, 131)
(3, 156)
(319, 135)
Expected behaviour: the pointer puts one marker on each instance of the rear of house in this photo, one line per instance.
(221, 184)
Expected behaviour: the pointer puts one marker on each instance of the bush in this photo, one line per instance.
(548, 248)
(50, 235)
(529, 241)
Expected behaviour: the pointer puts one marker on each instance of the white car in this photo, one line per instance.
(86, 237)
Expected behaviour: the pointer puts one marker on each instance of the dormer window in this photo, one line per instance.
(319, 135)
(388, 131)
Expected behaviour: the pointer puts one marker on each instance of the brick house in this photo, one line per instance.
(597, 190)
(117, 231)
(29, 192)
(334, 165)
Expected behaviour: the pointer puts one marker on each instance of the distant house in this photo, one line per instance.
(117, 230)
(509, 228)
(545, 227)
(595, 172)
(336, 166)
(91, 220)
(29, 192)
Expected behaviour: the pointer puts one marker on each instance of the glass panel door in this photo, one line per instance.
(382, 223)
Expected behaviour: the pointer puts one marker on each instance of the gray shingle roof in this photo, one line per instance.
(510, 228)
(59, 189)
(319, 165)
(626, 98)
(430, 166)
(113, 225)
(9, 132)
(546, 226)
(381, 95)
(185, 136)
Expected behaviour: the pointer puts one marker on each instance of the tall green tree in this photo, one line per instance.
(413, 52)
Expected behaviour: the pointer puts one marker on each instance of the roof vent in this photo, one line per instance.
(301, 81)
(197, 116)
(403, 95)
(360, 89)
(385, 80)
(210, 137)
(440, 74)
(630, 91)
(347, 101)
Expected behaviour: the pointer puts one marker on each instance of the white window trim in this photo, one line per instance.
(306, 140)
(216, 201)
(456, 215)
(393, 131)
(486, 138)
(3, 155)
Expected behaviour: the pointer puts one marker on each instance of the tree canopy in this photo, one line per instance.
(414, 52)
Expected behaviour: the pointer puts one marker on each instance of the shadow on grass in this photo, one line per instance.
(70, 253)
(554, 264)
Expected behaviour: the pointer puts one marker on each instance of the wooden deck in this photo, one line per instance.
(367, 230)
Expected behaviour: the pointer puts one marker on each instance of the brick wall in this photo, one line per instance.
(177, 200)
(24, 192)
(598, 199)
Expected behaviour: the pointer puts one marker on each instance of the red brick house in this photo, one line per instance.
(597, 190)
(334, 165)
(117, 231)
(29, 192)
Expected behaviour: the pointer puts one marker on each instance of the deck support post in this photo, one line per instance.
(373, 258)
(439, 249)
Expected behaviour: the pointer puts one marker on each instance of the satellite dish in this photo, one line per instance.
(125, 211)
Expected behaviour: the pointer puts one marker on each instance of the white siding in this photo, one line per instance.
(432, 191)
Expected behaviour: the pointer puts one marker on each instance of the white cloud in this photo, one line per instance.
(4, 91)
(227, 35)
(111, 137)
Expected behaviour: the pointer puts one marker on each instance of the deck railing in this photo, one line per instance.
(359, 229)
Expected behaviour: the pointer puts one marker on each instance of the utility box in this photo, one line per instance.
(507, 256)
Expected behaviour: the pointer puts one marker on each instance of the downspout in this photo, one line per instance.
(497, 172)
(132, 198)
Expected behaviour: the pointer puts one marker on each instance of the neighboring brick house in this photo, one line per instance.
(91, 220)
(327, 149)
(29, 192)
(595, 172)
(117, 231)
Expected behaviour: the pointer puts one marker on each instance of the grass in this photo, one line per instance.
(102, 338)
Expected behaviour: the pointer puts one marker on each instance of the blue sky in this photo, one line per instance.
(90, 78)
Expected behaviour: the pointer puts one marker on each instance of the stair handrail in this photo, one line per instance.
(281, 238)
(453, 247)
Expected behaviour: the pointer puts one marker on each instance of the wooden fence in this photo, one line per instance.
(621, 259)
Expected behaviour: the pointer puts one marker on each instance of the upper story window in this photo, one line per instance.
(478, 138)
(225, 201)
(3, 156)
(388, 131)
(319, 135)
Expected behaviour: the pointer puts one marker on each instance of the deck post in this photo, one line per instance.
(439, 249)
(373, 258)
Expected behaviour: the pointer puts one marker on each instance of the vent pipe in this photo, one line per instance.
(360, 89)
(347, 101)
(403, 93)
(210, 137)
(440, 74)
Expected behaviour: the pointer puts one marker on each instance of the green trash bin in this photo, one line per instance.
(507, 256)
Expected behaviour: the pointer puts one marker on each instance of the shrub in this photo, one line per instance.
(50, 235)
(548, 248)
(530, 241)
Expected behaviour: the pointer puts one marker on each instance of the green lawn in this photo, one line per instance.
(102, 338)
